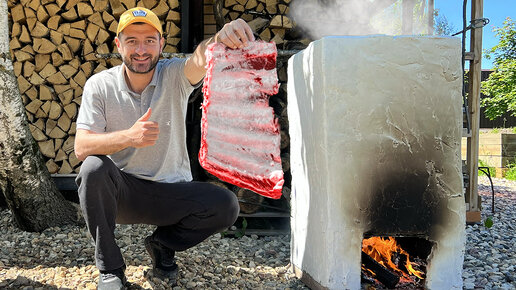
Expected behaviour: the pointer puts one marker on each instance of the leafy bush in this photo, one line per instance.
(511, 173)
(482, 163)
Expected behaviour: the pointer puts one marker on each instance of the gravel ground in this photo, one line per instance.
(62, 258)
(490, 258)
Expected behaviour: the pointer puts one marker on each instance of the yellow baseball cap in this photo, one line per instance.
(139, 14)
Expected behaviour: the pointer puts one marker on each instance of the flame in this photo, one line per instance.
(381, 249)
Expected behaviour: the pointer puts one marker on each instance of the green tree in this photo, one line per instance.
(441, 24)
(500, 87)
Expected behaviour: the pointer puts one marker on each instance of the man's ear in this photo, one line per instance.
(117, 42)
(161, 44)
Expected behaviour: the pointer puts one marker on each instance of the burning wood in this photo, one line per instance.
(378, 271)
(395, 262)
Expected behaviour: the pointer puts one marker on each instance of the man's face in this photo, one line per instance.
(140, 46)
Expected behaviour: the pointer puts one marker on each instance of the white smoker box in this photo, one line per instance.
(375, 126)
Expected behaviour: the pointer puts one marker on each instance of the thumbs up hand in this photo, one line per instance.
(143, 133)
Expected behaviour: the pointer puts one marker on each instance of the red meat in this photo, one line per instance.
(240, 141)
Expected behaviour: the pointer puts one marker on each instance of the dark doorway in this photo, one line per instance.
(192, 24)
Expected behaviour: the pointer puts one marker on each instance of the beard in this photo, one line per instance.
(140, 68)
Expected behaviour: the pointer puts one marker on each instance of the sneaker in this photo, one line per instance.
(112, 280)
(163, 262)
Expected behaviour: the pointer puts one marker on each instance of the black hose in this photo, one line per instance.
(488, 173)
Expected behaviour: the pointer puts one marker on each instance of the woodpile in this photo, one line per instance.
(268, 18)
(54, 46)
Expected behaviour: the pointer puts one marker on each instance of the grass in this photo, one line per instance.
(511, 173)
(492, 170)
(499, 130)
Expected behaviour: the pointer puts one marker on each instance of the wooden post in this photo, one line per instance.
(407, 19)
(475, 70)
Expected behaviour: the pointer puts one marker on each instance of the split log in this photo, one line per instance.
(52, 9)
(56, 37)
(70, 15)
(47, 70)
(32, 93)
(47, 148)
(33, 106)
(258, 24)
(57, 144)
(71, 110)
(100, 5)
(43, 46)
(248, 200)
(45, 93)
(39, 30)
(52, 166)
(66, 97)
(60, 155)
(72, 159)
(65, 168)
(96, 18)
(386, 277)
(265, 35)
(84, 9)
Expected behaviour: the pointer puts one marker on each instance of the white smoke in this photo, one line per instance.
(321, 18)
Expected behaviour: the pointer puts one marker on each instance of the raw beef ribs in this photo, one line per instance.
(240, 141)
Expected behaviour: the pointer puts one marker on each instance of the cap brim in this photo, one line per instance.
(136, 20)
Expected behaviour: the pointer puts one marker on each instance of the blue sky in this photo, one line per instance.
(495, 10)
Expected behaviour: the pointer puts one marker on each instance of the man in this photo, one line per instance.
(131, 137)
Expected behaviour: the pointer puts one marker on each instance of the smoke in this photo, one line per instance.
(321, 18)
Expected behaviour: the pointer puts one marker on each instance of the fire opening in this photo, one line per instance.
(395, 262)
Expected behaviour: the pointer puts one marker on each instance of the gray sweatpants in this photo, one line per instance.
(185, 213)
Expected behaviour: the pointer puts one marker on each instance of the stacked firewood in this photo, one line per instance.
(269, 19)
(54, 46)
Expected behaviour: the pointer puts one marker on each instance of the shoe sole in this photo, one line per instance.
(104, 286)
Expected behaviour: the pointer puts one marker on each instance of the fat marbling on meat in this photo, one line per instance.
(240, 138)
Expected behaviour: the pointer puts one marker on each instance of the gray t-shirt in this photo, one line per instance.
(109, 105)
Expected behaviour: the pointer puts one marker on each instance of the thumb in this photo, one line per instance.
(145, 116)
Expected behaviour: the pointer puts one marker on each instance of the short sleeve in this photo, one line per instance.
(92, 111)
(174, 72)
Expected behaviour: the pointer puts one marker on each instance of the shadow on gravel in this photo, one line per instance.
(485, 187)
(22, 282)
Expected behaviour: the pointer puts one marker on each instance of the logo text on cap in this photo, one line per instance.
(139, 13)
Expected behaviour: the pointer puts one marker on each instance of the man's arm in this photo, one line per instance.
(142, 134)
(235, 34)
